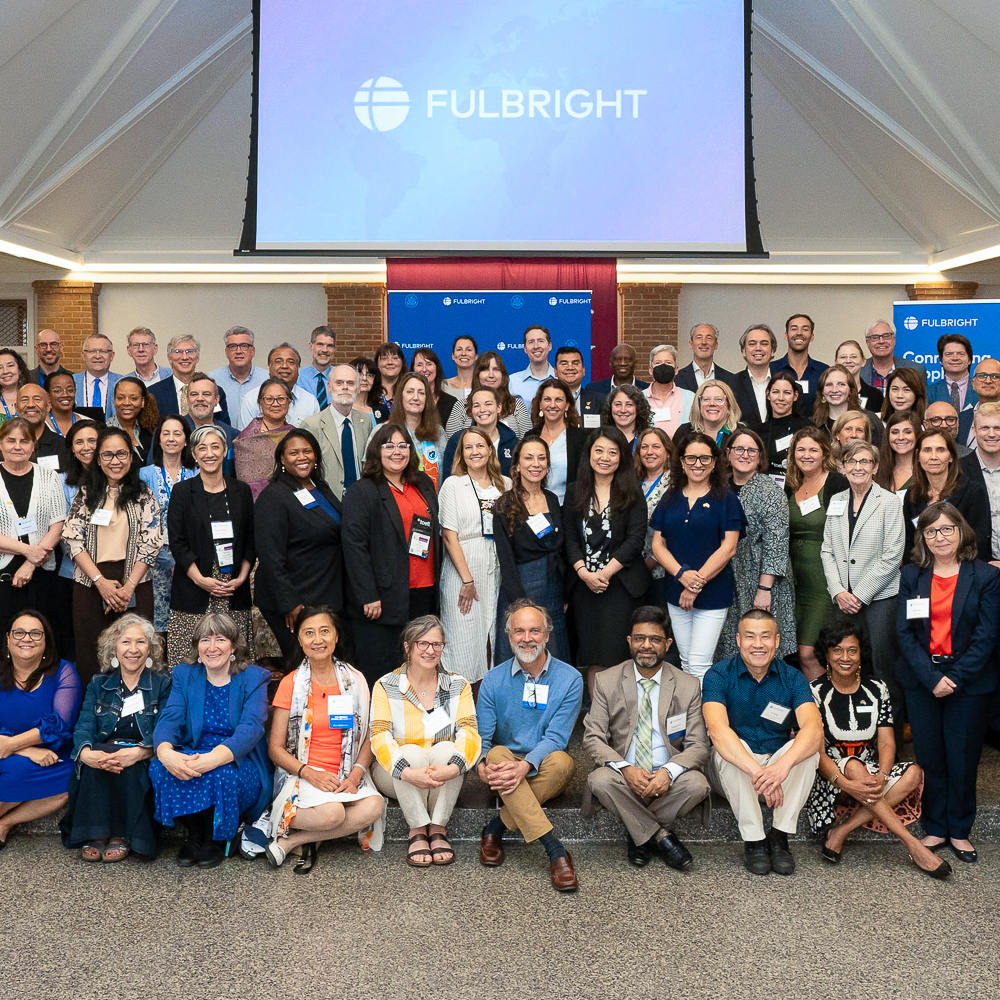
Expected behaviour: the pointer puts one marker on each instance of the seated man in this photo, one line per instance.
(646, 733)
(752, 701)
(527, 707)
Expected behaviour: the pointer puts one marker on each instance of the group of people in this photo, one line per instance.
(791, 542)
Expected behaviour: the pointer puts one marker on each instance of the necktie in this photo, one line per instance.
(955, 398)
(347, 453)
(96, 401)
(644, 727)
(321, 396)
(184, 400)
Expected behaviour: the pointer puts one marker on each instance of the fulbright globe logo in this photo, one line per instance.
(381, 104)
(910, 322)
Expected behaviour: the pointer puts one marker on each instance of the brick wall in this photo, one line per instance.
(647, 317)
(69, 308)
(357, 313)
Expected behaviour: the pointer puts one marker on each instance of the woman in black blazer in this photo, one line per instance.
(297, 525)
(210, 529)
(605, 523)
(392, 549)
(947, 613)
(555, 420)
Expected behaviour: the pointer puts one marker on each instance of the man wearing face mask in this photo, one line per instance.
(671, 405)
(646, 733)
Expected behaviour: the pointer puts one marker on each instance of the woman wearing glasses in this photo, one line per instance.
(714, 412)
(113, 536)
(425, 739)
(861, 553)
(949, 607)
(392, 549)
(253, 449)
(697, 526)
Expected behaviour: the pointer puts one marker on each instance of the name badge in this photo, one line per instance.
(102, 518)
(918, 607)
(437, 720)
(592, 420)
(305, 498)
(838, 507)
(26, 526)
(783, 443)
(535, 695)
(775, 712)
(803, 384)
(341, 709)
(677, 726)
(914, 520)
(778, 479)
(808, 506)
(540, 525)
(49, 462)
(420, 536)
(486, 516)
(902, 493)
(224, 555)
(132, 704)
(222, 529)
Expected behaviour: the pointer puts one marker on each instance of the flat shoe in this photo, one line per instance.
(830, 855)
(275, 854)
(942, 871)
(968, 857)
(563, 875)
(444, 852)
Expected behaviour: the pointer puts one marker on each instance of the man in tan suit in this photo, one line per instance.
(646, 732)
(339, 429)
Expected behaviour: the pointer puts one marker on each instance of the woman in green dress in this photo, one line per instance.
(811, 481)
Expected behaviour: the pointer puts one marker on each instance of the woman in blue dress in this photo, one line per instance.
(39, 703)
(211, 769)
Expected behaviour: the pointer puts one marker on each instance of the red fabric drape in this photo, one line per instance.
(523, 274)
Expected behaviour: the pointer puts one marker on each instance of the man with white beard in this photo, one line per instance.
(527, 707)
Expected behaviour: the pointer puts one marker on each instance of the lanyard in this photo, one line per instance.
(55, 426)
(4, 401)
(485, 508)
(646, 493)
(168, 487)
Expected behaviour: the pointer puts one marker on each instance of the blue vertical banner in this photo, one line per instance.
(920, 324)
(495, 319)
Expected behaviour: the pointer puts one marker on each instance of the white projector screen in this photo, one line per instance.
(609, 126)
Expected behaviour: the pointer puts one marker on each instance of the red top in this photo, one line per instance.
(325, 744)
(411, 501)
(942, 598)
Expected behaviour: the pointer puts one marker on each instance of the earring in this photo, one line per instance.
(149, 662)
(232, 657)
(114, 663)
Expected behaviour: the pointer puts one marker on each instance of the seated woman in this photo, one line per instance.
(320, 748)
(425, 738)
(110, 809)
(211, 767)
(858, 784)
(39, 701)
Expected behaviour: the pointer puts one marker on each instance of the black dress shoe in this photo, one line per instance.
(639, 855)
(755, 857)
(830, 855)
(969, 857)
(211, 855)
(674, 853)
(782, 862)
(187, 856)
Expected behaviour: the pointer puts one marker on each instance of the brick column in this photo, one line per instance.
(647, 317)
(357, 312)
(927, 290)
(69, 308)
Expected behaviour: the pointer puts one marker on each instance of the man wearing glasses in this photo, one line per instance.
(284, 362)
(313, 378)
(881, 340)
(943, 416)
(48, 352)
(986, 383)
(241, 377)
(171, 393)
(96, 383)
(527, 707)
(142, 350)
(646, 733)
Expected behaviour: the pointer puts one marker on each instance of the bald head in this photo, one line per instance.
(941, 416)
(986, 380)
(48, 350)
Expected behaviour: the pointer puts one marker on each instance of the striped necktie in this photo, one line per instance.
(644, 727)
(321, 396)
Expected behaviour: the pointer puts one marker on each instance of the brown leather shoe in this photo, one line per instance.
(562, 874)
(491, 852)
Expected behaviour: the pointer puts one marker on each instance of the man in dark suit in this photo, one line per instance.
(203, 403)
(569, 367)
(986, 382)
(758, 345)
(704, 342)
(983, 466)
(171, 393)
(646, 733)
(799, 332)
(623, 362)
(48, 352)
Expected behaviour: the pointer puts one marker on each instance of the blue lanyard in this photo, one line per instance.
(55, 426)
(167, 485)
(4, 401)
(653, 487)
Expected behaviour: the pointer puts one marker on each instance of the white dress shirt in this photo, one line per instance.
(661, 750)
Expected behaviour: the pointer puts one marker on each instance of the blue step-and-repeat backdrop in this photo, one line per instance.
(496, 319)
(920, 324)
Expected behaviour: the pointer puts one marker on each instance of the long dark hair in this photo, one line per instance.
(572, 418)
(391, 347)
(887, 457)
(624, 486)
(431, 356)
(508, 402)
(718, 481)
(149, 416)
(23, 375)
(912, 380)
(372, 469)
(920, 490)
(511, 506)
(643, 413)
(796, 388)
(429, 428)
(279, 454)
(156, 451)
(50, 656)
(96, 483)
(76, 474)
(374, 396)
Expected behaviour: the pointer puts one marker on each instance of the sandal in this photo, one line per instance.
(94, 851)
(117, 850)
(307, 861)
(415, 852)
(441, 855)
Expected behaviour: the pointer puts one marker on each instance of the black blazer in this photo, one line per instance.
(971, 501)
(300, 550)
(190, 531)
(746, 400)
(603, 385)
(628, 538)
(686, 379)
(376, 553)
(576, 438)
(871, 398)
(975, 612)
(165, 394)
(590, 402)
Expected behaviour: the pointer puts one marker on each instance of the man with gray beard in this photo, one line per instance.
(527, 707)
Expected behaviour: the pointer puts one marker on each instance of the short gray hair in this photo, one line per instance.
(200, 433)
(879, 322)
(521, 604)
(663, 347)
(237, 331)
(183, 338)
(860, 444)
(108, 640)
(711, 327)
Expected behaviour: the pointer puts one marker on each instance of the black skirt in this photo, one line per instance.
(601, 624)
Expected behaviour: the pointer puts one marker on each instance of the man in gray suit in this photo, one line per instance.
(646, 733)
(341, 430)
(881, 340)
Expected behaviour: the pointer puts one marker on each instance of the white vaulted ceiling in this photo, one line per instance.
(124, 129)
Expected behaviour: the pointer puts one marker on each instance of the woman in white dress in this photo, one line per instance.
(470, 576)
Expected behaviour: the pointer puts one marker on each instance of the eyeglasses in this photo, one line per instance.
(274, 400)
(861, 463)
(183, 351)
(114, 456)
(98, 350)
(941, 421)
(238, 347)
(141, 344)
(648, 640)
(34, 634)
(425, 644)
(697, 459)
(740, 450)
(988, 376)
(945, 531)
(397, 446)
(880, 336)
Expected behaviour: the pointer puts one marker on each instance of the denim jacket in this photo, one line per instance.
(102, 708)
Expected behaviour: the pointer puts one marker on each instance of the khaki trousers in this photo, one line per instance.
(644, 819)
(522, 808)
(745, 801)
(422, 806)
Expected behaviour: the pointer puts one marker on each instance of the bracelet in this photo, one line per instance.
(298, 773)
(100, 576)
(767, 590)
(467, 583)
(681, 572)
(835, 780)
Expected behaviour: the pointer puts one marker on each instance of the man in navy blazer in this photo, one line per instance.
(569, 367)
(983, 466)
(623, 362)
(704, 342)
(170, 393)
(95, 385)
